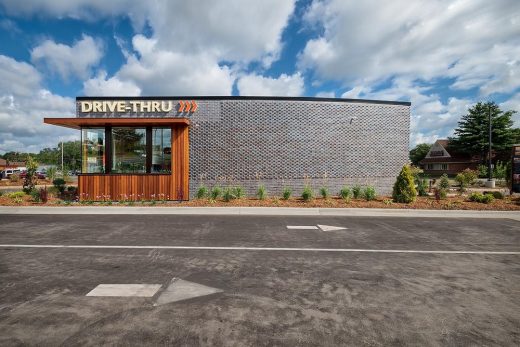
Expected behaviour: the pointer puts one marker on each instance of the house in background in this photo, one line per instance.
(439, 161)
(7, 168)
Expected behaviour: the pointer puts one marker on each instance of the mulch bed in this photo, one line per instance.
(451, 203)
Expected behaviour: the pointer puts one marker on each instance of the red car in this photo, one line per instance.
(39, 175)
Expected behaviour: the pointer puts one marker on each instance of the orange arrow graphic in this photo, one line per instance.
(181, 108)
(188, 106)
(193, 106)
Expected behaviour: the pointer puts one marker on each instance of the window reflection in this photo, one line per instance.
(93, 150)
(161, 150)
(128, 150)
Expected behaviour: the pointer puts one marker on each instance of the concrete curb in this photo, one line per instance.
(261, 211)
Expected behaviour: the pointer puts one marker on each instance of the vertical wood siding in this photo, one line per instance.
(144, 186)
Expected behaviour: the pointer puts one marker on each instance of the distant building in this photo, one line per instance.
(439, 161)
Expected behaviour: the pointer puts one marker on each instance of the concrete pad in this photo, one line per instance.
(140, 290)
(182, 290)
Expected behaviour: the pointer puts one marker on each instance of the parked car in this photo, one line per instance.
(9, 172)
(39, 175)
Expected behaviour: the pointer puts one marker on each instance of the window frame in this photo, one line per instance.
(109, 151)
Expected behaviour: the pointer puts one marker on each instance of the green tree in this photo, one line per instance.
(404, 187)
(419, 152)
(471, 136)
(29, 181)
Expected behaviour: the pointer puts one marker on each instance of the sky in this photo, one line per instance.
(442, 56)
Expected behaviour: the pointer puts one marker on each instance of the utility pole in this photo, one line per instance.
(62, 172)
(490, 183)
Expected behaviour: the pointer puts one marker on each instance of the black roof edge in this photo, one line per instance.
(274, 98)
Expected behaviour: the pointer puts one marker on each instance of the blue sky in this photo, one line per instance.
(441, 55)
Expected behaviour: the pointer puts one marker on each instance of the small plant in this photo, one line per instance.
(356, 192)
(286, 193)
(261, 193)
(369, 193)
(307, 194)
(216, 192)
(16, 195)
(482, 198)
(345, 193)
(422, 187)
(498, 195)
(388, 202)
(44, 195)
(228, 194)
(466, 178)
(59, 184)
(35, 195)
(202, 192)
(324, 192)
(404, 186)
(239, 192)
(17, 201)
(29, 182)
(444, 182)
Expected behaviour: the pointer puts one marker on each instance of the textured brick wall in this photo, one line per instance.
(291, 143)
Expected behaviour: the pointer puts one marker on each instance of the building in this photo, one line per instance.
(7, 168)
(168, 146)
(439, 161)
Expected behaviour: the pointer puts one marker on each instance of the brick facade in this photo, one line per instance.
(291, 143)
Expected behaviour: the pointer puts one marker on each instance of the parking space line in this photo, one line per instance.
(238, 248)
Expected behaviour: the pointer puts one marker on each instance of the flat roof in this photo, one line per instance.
(267, 98)
(77, 123)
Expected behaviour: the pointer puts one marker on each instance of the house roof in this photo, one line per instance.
(457, 159)
(443, 142)
(3, 162)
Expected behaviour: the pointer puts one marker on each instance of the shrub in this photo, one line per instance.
(307, 193)
(324, 192)
(482, 198)
(35, 195)
(404, 186)
(500, 170)
(44, 196)
(422, 187)
(202, 192)
(369, 193)
(59, 183)
(14, 178)
(497, 195)
(356, 191)
(1, 193)
(18, 201)
(16, 195)
(482, 170)
(345, 193)
(29, 181)
(286, 193)
(51, 173)
(239, 192)
(215, 193)
(261, 193)
(465, 178)
(228, 194)
(444, 182)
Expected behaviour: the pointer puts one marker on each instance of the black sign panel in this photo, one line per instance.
(515, 168)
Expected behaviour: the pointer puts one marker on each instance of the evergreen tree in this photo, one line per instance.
(404, 187)
(472, 134)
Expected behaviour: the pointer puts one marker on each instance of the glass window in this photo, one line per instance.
(128, 150)
(161, 150)
(93, 150)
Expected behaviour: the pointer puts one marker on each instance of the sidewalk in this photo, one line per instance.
(262, 211)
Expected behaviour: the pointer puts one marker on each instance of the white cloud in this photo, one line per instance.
(513, 104)
(24, 104)
(101, 86)
(324, 94)
(161, 72)
(76, 60)
(477, 43)
(284, 85)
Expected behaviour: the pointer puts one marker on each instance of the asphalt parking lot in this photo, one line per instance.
(373, 286)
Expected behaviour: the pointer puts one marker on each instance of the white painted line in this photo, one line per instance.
(330, 228)
(346, 250)
(181, 290)
(302, 227)
(140, 290)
